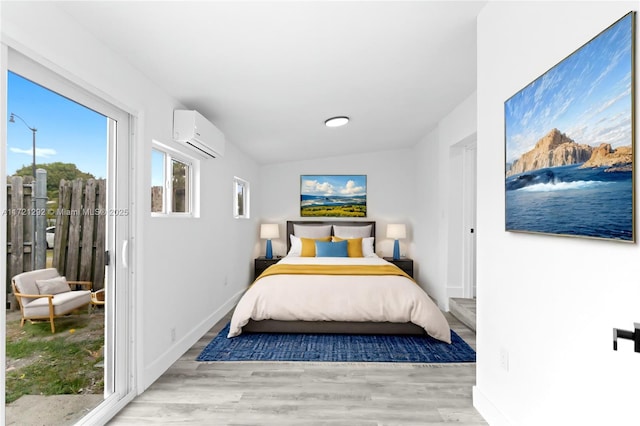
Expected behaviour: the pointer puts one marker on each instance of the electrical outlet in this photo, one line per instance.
(173, 335)
(225, 281)
(504, 359)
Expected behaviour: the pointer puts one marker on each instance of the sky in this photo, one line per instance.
(66, 131)
(157, 168)
(336, 185)
(587, 96)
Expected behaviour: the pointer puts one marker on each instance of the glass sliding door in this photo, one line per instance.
(82, 143)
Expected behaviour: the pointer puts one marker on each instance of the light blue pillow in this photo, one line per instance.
(329, 249)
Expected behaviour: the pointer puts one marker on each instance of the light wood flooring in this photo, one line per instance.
(307, 393)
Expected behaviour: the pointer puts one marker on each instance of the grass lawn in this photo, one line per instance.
(67, 362)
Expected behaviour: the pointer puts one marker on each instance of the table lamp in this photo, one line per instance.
(267, 232)
(396, 231)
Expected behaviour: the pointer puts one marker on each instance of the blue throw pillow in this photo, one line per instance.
(329, 249)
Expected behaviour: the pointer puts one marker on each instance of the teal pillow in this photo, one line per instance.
(329, 249)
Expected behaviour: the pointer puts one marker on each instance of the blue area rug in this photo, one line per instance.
(335, 348)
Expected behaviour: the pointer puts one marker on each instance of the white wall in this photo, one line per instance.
(438, 227)
(391, 193)
(546, 304)
(188, 271)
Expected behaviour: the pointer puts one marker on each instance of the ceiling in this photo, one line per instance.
(268, 74)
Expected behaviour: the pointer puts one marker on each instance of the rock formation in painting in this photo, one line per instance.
(619, 159)
(553, 150)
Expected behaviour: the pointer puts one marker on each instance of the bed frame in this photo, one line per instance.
(331, 327)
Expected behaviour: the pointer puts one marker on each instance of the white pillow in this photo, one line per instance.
(311, 231)
(296, 246)
(367, 247)
(341, 231)
(53, 286)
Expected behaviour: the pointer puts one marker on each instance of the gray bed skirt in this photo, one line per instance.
(333, 327)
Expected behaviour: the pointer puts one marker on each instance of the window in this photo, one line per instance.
(240, 198)
(172, 182)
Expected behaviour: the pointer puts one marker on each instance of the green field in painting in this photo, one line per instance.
(334, 211)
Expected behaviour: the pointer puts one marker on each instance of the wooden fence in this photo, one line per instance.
(20, 253)
(80, 220)
(79, 243)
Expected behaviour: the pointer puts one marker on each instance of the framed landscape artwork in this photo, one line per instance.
(569, 142)
(333, 195)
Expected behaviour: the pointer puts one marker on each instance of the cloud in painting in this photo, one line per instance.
(315, 187)
(351, 188)
(333, 185)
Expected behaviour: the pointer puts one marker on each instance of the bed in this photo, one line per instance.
(331, 281)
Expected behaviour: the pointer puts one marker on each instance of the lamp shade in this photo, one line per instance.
(269, 231)
(396, 231)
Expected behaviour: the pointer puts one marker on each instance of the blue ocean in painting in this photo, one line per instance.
(571, 201)
(332, 200)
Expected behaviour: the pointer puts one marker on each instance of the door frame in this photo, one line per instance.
(120, 323)
(469, 202)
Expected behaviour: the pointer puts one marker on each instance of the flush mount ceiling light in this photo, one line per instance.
(336, 121)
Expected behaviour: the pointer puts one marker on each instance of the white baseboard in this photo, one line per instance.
(154, 370)
(490, 412)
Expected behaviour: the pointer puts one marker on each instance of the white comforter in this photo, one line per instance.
(339, 298)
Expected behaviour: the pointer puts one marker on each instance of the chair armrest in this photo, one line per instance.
(32, 296)
(85, 284)
(97, 297)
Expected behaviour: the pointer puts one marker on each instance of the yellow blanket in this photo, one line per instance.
(287, 269)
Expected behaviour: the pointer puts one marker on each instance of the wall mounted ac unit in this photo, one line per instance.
(198, 133)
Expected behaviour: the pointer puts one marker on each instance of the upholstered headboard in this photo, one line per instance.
(290, 227)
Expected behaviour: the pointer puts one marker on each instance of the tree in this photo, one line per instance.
(55, 173)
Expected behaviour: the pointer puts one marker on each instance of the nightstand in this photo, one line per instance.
(403, 263)
(261, 263)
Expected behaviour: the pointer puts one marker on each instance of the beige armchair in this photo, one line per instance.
(44, 295)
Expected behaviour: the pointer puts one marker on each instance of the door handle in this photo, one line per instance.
(630, 335)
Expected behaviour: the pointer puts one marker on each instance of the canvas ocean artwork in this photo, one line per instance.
(569, 143)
